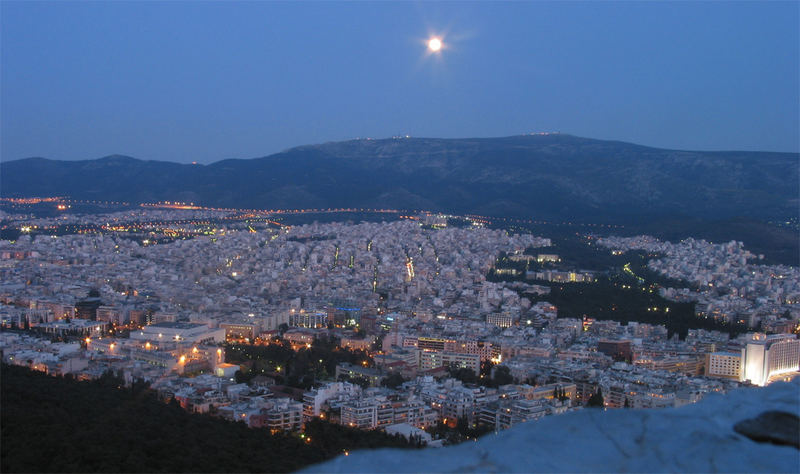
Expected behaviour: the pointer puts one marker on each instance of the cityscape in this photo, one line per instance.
(204, 304)
(399, 237)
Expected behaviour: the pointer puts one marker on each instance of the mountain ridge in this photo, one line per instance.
(552, 175)
(398, 138)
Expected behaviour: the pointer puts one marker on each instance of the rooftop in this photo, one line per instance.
(170, 325)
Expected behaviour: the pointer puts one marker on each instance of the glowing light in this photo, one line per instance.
(435, 44)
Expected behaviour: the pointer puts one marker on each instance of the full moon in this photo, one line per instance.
(434, 44)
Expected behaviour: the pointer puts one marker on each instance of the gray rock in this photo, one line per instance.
(777, 427)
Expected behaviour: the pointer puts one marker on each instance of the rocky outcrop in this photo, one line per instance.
(696, 438)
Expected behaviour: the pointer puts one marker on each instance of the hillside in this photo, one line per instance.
(55, 424)
(545, 176)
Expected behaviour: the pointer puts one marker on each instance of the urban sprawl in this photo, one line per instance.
(165, 295)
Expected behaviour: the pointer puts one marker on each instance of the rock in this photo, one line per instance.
(692, 438)
(777, 427)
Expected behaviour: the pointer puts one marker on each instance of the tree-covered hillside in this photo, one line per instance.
(52, 424)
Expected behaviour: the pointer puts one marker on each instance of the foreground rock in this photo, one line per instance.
(697, 438)
(777, 427)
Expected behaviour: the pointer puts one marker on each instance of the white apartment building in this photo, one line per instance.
(314, 399)
(724, 364)
(767, 356)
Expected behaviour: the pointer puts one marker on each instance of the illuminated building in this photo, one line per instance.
(226, 371)
(308, 319)
(238, 331)
(503, 320)
(179, 332)
(75, 326)
(344, 313)
(432, 360)
(356, 344)
(724, 364)
(299, 338)
(432, 343)
(545, 257)
(768, 356)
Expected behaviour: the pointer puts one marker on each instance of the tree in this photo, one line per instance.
(282, 328)
(463, 374)
(502, 376)
(486, 369)
(627, 403)
(243, 377)
(596, 400)
(393, 380)
(356, 379)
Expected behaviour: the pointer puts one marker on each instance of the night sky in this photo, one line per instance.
(185, 81)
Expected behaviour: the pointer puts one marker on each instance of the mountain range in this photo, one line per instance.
(547, 176)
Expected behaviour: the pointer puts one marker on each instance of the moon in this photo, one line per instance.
(435, 44)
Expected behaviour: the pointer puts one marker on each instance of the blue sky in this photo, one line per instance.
(186, 81)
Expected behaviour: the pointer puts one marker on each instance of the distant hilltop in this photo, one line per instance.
(547, 175)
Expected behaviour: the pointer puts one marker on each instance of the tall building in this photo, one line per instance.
(767, 356)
